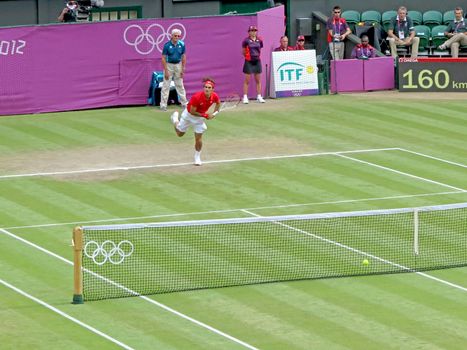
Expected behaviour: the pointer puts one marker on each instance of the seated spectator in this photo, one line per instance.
(300, 44)
(401, 32)
(456, 32)
(338, 30)
(364, 50)
(284, 44)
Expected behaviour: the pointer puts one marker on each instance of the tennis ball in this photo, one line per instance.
(365, 262)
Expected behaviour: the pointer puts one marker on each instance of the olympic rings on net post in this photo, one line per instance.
(145, 37)
(108, 249)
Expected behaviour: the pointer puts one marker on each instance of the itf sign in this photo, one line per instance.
(294, 73)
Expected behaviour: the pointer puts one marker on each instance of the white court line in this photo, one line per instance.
(402, 173)
(165, 307)
(63, 314)
(85, 171)
(234, 210)
(402, 267)
(435, 158)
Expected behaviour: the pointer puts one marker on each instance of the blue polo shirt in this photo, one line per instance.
(173, 53)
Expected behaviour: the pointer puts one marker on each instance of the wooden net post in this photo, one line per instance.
(78, 264)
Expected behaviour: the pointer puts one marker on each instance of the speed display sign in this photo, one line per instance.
(433, 74)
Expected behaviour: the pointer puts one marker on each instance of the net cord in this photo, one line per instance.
(276, 218)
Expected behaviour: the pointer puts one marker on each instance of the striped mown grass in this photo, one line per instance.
(388, 312)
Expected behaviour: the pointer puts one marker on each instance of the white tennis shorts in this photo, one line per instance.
(187, 120)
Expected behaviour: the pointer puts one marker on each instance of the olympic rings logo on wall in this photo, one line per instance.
(108, 251)
(155, 36)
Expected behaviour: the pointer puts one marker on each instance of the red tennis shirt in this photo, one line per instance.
(202, 103)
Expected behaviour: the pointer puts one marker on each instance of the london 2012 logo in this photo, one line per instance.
(12, 47)
(153, 37)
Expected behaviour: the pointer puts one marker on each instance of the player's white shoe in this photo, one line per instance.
(174, 118)
(245, 99)
(198, 158)
(260, 99)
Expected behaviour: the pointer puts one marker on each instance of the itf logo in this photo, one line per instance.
(153, 37)
(292, 72)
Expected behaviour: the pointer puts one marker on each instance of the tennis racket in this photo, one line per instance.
(230, 102)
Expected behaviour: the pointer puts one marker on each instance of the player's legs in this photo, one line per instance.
(198, 142)
(176, 123)
(198, 147)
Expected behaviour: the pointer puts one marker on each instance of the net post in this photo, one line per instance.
(415, 232)
(77, 266)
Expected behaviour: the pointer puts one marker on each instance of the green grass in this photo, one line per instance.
(402, 311)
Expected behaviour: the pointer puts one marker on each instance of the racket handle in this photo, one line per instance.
(215, 113)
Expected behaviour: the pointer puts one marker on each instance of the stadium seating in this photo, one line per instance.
(386, 19)
(352, 17)
(448, 17)
(438, 38)
(424, 33)
(432, 18)
(416, 16)
(371, 16)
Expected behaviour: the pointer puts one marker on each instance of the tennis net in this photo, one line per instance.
(141, 259)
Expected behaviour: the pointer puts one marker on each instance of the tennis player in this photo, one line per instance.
(195, 115)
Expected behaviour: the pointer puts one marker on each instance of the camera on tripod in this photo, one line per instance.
(79, 10)
(85, 3)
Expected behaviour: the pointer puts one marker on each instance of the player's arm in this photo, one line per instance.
(217, 109)
(194, 112)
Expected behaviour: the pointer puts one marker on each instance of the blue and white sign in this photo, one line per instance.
(294, 73)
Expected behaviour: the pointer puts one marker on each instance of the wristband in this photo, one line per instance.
(204, 115)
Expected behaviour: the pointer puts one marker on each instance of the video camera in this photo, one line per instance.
(80, 9)
(86, 3)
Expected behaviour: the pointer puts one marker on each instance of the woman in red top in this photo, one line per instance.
(195, 115)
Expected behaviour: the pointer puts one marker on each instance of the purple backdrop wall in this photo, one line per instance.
(79, 66)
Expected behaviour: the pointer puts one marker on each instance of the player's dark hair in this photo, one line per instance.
(205, 79)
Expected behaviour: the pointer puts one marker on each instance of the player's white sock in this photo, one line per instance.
(198, 158)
